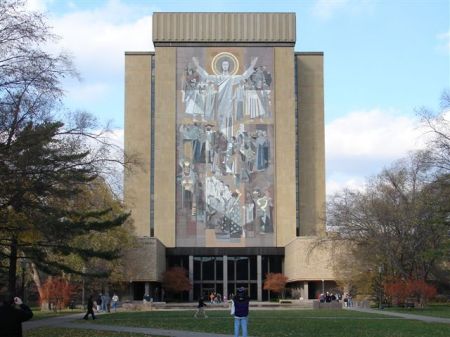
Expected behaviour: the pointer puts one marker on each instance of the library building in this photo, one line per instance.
(226, 121)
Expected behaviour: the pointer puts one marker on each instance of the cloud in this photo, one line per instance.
(335, 185)
(361, 143)
(98, 38)
(37, 5)
(116, 136)
(374, 132)
(88, 92)
(444, 42)
(325, 9)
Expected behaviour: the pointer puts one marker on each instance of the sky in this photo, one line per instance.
(383, 60)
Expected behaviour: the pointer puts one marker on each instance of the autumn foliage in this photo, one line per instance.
(175, 280)
(275, 282)
(57, 291)
(403, 291)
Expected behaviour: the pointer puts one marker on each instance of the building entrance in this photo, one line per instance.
(222, 275)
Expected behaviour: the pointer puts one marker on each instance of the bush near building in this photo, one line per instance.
(409, 292)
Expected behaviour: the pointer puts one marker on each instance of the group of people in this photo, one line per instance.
(239, 309)
(215, 297)
(330, 297)
(103, 303)
(348, 300)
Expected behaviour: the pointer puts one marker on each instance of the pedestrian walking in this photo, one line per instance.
(99, 302)
(239, 308)
(90, 308)
(103, 305)
(201, 308)
(12, 313)
(115, 300)
(107, 302)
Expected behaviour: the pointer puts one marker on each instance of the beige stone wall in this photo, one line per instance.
(146, 262)
(310, 151)
(223, 27)
(311, 143)
(137, 139)
(285, 190)
(165, 145)
(302, 262)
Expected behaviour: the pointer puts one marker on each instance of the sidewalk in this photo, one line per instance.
(52, 321)
(428, 319)
(67, 321)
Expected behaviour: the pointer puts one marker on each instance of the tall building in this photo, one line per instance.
(227, 122)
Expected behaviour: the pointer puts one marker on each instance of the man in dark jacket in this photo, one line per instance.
(240, 304)
(201, 308)
(90, 308)
(12, 314)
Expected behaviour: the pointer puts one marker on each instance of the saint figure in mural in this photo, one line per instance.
(225, 83)
(257, 94)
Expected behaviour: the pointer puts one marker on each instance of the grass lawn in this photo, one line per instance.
(278, 323)
(62, 332)
(435, 310)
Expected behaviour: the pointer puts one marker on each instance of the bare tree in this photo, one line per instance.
(30, 77)
(438, 128)
(400, 222)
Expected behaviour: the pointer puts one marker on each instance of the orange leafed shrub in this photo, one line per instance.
(275, 282)
(403, 290)
(57, 291)
(175, 280)
(396, 290)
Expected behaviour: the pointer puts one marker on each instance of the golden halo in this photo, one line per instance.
(216, 63)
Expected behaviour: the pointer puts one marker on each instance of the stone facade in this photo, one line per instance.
(298, 163)
(147, 261)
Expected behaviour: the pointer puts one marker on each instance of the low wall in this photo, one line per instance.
(327, 305)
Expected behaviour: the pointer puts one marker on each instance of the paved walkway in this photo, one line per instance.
(67, 321)
(423, 318)
(52, 321)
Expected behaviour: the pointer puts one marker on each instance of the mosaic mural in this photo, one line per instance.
(225, 147)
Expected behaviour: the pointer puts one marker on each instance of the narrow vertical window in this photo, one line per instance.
(152, 149)
(297, 156)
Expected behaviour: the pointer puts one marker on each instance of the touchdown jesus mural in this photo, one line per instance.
(225, 147)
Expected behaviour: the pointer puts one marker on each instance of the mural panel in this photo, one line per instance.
(225, 147)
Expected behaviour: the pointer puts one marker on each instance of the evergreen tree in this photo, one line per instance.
(41, 173)
(45, 164)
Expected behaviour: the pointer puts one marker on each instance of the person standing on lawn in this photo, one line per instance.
(115, 301)
(12, 313)
(239, 308)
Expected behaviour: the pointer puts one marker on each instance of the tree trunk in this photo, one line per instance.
(12, 267)
(37, 280)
